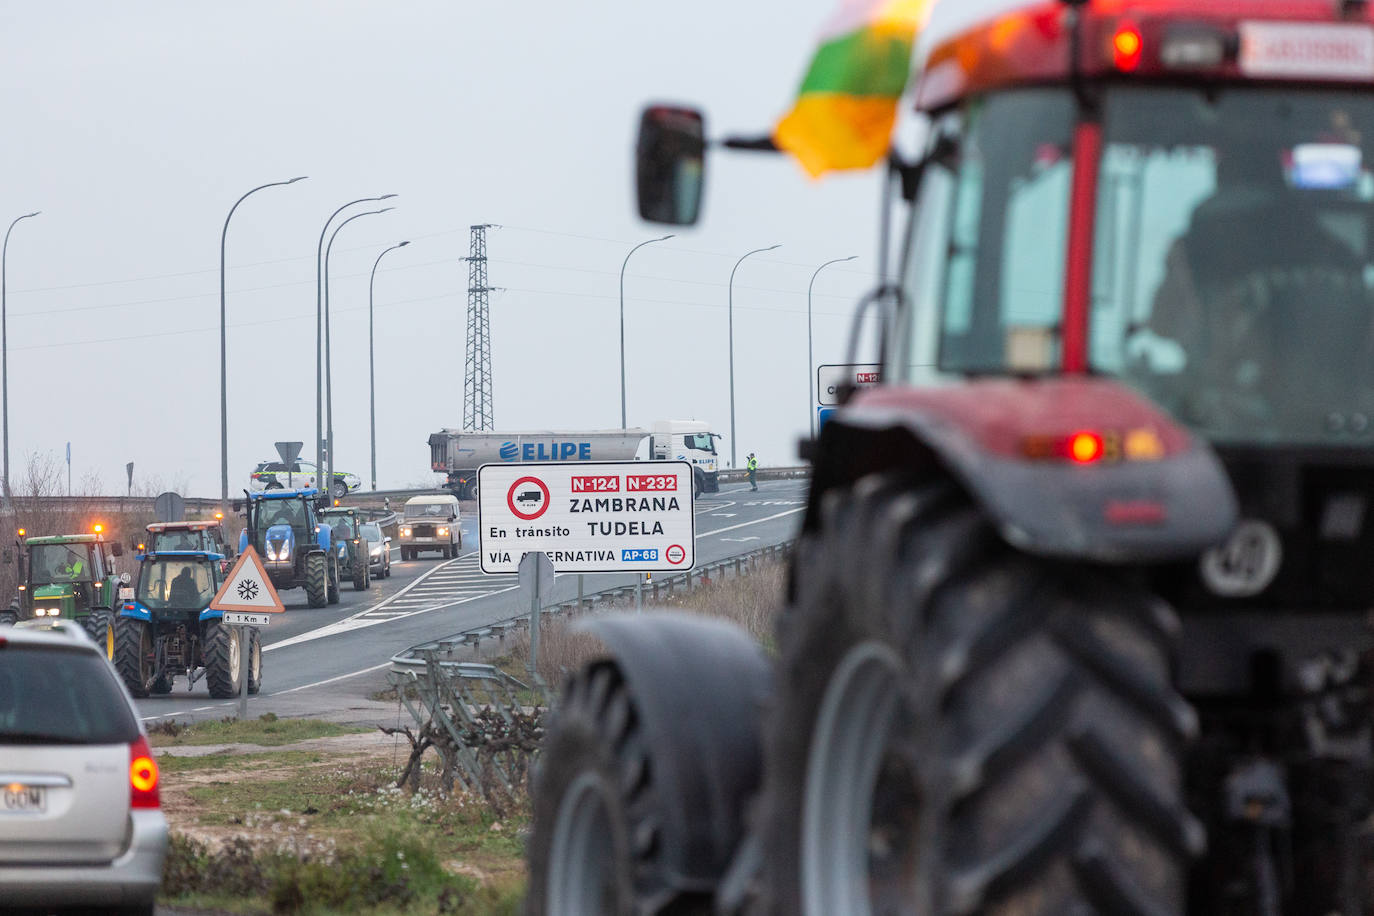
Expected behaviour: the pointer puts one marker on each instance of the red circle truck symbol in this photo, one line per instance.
(675, 554)
(528, 498)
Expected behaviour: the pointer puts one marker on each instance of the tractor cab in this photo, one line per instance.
(178, 583)
(70, 576)
(206, 535)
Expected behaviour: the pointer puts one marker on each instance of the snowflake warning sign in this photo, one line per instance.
(247, 588)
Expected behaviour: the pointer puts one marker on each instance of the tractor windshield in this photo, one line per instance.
(281, 512)
(173, 582)
(58, 563)
(1234, 259)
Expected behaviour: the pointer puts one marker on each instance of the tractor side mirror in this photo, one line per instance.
(7, 555)
(670, 164)
(117, 549)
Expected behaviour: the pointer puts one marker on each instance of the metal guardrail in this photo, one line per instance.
(652, 591)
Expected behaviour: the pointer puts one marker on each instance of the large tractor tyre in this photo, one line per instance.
(223, 660)
(316, 580)
(254, 661)
(135, 655)
(963, 728)
(362, 573)
(593, 842)
(97, 627)
(332, 592)
(8, 618)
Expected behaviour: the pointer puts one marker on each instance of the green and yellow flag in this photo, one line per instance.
(847, 105)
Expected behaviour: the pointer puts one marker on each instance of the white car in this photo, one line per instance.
(81, 821)
(273, 475)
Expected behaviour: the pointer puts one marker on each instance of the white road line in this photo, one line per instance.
(341, 677)
(182, 712)
(769, 518)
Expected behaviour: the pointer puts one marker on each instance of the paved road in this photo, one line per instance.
(329, 658)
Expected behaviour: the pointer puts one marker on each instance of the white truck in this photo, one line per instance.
(459, 453)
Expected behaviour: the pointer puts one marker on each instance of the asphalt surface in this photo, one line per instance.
(329, 660)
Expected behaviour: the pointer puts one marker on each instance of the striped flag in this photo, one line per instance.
(847, 105)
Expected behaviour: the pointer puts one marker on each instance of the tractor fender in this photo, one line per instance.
(323, 535)
(243, 540)
(1157, 493)
(698, 687)
(210, 614)
(135, 611)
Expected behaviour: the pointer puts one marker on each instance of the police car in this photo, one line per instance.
(274, 475)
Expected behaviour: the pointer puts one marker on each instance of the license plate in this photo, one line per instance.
(17, 799)
(1311, 50)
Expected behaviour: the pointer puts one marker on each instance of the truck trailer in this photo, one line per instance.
(459, 453)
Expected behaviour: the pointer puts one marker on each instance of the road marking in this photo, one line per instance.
(341, 677)
(756, 521)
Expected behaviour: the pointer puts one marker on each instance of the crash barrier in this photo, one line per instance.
(486, 723)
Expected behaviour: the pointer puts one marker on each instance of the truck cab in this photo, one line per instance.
(692, 441)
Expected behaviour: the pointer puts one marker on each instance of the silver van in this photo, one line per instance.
(431, 523)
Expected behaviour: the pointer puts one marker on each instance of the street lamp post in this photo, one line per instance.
(622, 321)
(328, 365)
(5, 350)
(810, 353)
(319, 327)
(732, 346)
(223, 367)
(371, 373)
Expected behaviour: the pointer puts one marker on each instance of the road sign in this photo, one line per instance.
(169, 507)
(536, 576)
(588, 517)
(248, 588)
(830, 379)
(241, 619)
(288, 452)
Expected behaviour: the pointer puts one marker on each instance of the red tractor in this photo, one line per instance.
(1079, 620)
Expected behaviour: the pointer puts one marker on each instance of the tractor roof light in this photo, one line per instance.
(97, 528)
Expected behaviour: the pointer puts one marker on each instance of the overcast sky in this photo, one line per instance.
(135, 126)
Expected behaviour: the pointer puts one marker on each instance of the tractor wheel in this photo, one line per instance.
(8, 618)
(134, 655)
(333, 590)
(960, 727)
(362, 574)
(222, 661)
(97, 627)
(594, 804)
(254, 661)
(316, 580)
(405, 554)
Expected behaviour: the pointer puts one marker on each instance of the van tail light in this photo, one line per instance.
(143, 778)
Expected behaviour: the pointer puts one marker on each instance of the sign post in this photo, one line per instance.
(246, 601)
(536, 578)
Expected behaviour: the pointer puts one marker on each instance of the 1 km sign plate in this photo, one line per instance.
(612, 516)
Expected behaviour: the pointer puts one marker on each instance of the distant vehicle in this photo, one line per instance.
(378, 550)
(166, 629)
(71, 576)
(458, 453)
(81, 821)
(296, 546)
(431, 523)
(349, 546)
(273, 475)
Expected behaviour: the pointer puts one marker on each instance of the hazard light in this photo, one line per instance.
(1087, 446)
(1127, 47)
(97, 527)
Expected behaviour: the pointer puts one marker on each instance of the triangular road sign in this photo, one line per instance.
(248, 588)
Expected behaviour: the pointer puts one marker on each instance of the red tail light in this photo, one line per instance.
(1127, 45)
(1086, 447)
(143, 778)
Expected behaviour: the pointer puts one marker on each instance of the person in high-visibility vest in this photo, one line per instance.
(753, 466)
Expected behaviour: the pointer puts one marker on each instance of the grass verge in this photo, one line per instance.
(266, 730)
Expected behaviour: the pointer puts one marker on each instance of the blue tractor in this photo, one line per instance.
(165, 628)
(295, 544)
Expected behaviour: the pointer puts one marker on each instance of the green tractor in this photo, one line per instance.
(70, 576)
(347, 525)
